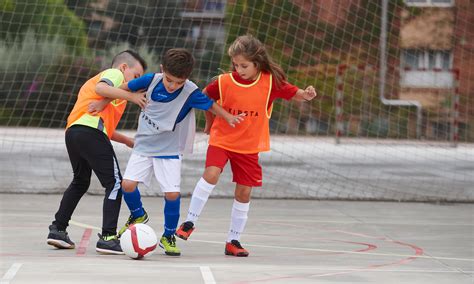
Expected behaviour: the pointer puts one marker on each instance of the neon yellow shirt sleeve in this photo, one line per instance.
(113, 77)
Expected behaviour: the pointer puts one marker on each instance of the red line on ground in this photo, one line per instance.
(418, 252)
(81, 250)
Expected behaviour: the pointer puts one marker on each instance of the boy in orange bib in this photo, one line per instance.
(256, 81)
(89, 148)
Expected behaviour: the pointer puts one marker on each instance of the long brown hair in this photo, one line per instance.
(253, 50)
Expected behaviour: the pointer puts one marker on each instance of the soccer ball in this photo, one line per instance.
(138, 241)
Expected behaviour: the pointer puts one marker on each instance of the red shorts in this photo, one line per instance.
(245, 167)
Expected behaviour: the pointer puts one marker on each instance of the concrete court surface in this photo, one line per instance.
(290, 241)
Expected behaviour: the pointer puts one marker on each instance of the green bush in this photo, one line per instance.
(28, 54)
(47, 18)
(40, 80)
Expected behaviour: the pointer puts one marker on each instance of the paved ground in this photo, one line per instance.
(290, 241)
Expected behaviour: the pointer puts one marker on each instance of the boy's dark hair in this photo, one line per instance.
(130, 57)
(178, 62)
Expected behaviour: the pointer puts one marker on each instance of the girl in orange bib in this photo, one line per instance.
(252, 86)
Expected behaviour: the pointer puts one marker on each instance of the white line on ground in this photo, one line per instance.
(312, 249)
(207, 275)
(347, 251)
(365, 222)
(304, 221)
(79, 224)
(10, 274)
(158, 264)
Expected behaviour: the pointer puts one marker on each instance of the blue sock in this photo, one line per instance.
(171, 216)
(134, 202)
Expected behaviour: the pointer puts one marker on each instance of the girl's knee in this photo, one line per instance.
(242, 198)
(212, 174)
(243, 194)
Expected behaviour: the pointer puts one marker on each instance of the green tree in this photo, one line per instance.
(47, 18)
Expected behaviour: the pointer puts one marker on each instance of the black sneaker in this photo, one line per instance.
(108, 245)
(59, 239)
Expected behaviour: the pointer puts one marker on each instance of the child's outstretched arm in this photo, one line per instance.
(96, 107)
(231, 119)
(305, 95)
(108, 91)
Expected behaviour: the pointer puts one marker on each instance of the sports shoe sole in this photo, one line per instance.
(240, 254)
(106, 251)
(183, 237)
(169, 252)
(144, 221)
(59, 244)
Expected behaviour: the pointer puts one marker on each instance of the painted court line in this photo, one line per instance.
(346, 251)
(305, 221)
(318, 250)
(207, 275)
(81, 250)
(82, 225)
(10, 274)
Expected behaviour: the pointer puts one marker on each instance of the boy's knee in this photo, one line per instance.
(128, 185)
(172, 195)
(83, 183)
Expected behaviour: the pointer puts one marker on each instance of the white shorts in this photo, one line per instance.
(167, 171)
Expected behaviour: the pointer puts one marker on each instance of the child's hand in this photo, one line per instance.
(96, 107)
(233, 119)
(309, 93)
(207, 128)
(139, 99)
(129, 142)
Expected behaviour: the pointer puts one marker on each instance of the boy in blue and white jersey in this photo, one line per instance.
(166, 130)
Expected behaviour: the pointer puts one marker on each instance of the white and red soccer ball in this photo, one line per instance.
(138, 241)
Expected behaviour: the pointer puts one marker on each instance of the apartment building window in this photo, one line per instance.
(426, 68)
(430, 3)
(207, 23)
(414, 59)
(216, 5)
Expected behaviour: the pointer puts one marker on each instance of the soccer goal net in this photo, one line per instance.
(393, 119)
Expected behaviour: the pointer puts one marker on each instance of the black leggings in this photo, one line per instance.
(89, 149)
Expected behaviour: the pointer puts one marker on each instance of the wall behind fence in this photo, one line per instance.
(35, 161)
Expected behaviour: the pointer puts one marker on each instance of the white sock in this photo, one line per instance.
(198, 200)
(238, 219)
